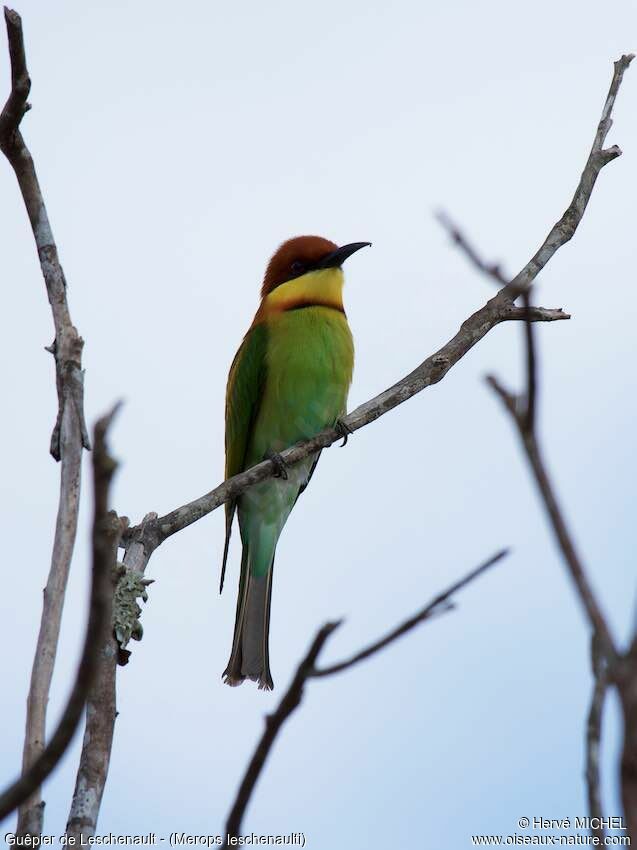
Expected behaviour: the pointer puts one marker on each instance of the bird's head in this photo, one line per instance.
(303, 256)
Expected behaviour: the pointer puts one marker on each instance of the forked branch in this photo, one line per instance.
(607, 663)
(307, 670)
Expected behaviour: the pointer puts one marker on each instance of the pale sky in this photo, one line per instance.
(177, 146)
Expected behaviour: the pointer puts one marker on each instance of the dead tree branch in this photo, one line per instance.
(106, 534)
(498, 309)
(607, 662)
(307, 670)
(69, 434)
(101, 712)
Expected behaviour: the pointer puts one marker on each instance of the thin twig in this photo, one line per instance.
(69, 434)
(307, 670)
(431, 609)
(106, 533)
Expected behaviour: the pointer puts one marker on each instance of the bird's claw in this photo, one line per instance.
(280, 467)
(343, 430)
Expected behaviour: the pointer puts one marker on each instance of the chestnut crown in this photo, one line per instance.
(304, 254)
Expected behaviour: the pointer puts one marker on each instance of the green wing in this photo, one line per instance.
(243, 397)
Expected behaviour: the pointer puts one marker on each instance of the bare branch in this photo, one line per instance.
(432, 370)
(106, 533)
(608, 664)
(593, 736)
(523, 409)
(16, 105)
(499, 309)
(69, 434)
(307, 670)
(67, 346)
(101, 712)
(432, 609)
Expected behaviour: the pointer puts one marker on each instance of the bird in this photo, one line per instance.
(289, 379)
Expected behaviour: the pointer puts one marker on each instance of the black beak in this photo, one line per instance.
(338, 257)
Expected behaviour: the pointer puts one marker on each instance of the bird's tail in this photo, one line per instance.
(250, 658)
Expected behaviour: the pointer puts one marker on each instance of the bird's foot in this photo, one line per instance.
(343, 430)
(280, 468)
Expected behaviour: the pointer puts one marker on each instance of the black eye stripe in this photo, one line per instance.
(297, 268)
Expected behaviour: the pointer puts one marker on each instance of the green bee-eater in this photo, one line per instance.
(289, 380)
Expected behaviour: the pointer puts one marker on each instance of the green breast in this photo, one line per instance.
(309, 364)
